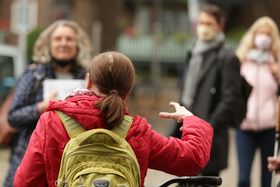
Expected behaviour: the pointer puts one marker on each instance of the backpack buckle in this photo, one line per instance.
(101, 183)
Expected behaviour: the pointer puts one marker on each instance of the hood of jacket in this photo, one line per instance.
(80, 108)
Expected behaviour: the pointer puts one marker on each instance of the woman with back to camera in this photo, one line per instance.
(102, 105)
(62, 51)
(259, 53)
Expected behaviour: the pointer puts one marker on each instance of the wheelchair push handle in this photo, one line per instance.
(195, 180)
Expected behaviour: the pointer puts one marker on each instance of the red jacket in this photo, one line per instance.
(40, 165)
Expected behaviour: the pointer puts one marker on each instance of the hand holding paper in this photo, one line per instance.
(42, 106)
(63, 87)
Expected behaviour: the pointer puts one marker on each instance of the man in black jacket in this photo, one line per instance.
(211, 83)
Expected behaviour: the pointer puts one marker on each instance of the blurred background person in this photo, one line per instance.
(259, 52)
(62, 51)
(211, 83)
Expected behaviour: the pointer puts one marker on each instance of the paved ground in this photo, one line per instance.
(148, 103)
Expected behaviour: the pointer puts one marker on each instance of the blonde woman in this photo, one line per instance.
(62, 51)
(259, 52)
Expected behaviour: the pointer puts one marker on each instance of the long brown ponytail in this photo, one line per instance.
(113, 74)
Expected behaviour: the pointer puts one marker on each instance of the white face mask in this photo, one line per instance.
(205, 33)
(262, 41)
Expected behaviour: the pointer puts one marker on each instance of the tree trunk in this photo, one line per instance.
(109, 12)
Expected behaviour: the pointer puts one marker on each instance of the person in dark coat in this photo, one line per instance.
(211, 84)
(62, 51)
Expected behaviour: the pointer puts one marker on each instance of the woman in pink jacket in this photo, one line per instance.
(110, 79)
(259, 53)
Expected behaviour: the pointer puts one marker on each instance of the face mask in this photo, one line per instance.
(262, 41)
(205, 33)
(62, 63)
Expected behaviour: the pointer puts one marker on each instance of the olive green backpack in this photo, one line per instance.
(97, 157)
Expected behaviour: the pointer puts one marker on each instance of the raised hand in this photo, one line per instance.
(180, 112)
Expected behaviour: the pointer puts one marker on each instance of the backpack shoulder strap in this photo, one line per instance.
(72, 127)
(123, 128)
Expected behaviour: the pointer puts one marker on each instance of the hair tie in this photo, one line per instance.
(114, 92)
